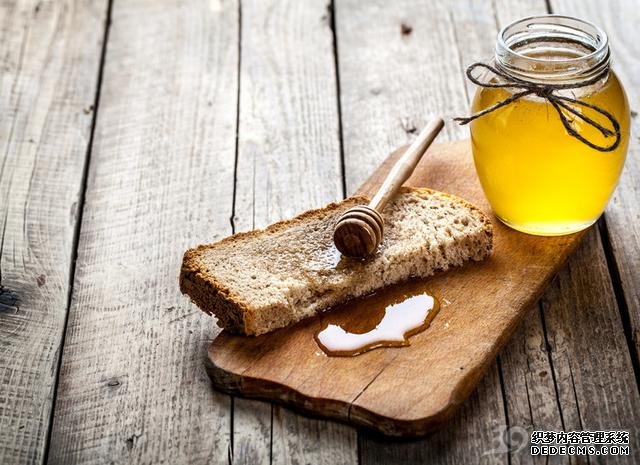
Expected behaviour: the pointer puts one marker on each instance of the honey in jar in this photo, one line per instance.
(538, 178)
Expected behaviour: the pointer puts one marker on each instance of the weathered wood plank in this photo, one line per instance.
(590, 391)
(596, 385)
(589, 396)
(133, 388)
(534, 370)
(464, 439)
(252, 435)
(400, 64)
(50, 65)
(530, 391)
(620, 21)
(298, 440)
(471, 25)
(527, 373)
(288, 161)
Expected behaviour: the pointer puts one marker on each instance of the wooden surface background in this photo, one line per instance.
(131, 130)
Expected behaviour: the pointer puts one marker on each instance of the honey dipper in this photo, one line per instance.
(359, 230)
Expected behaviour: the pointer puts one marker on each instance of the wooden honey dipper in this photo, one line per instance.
(359, 230)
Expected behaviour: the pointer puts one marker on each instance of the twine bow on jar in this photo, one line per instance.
(549, 93)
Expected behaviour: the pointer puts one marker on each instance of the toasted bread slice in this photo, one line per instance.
(262, 280)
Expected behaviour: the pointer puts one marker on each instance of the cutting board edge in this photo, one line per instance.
(250, 387)
(270, 391)
(349, 412)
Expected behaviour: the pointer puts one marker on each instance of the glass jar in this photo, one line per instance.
(538, 178)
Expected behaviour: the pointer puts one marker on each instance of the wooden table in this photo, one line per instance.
(134, 129)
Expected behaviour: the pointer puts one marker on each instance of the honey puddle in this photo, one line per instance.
(392, 320)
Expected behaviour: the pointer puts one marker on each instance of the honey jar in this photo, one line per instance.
(549, 125)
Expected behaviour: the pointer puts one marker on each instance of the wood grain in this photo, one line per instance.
(50, 63)
(132, 386)
(528, 378)
(409, 77)
(51, 57)
(596, 386)
(586, 391)
(451, 444)
(620, 21)
(393, 82)
(539, 399)
(530, 391)
(411, 390)
(288, 161)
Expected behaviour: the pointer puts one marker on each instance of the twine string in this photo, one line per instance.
(560, 103)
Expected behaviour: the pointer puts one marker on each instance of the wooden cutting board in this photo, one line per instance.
(404, 391)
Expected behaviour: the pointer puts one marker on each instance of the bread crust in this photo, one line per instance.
(233, 312)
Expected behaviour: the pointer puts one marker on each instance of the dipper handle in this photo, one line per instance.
(406, 164)
(359, 230)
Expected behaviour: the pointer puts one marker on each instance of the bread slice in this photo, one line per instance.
(262, 280)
